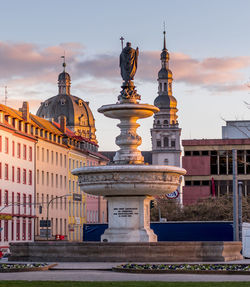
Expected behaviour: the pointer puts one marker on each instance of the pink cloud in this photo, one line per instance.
(24, 59)
(23, 65)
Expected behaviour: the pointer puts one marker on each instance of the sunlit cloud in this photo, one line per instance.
(31, 71)
(24, 59)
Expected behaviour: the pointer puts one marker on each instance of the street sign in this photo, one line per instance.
(77, 197)
(5, 217)
(173, 195)
(45, 223)
(43, 232)
(71, 227)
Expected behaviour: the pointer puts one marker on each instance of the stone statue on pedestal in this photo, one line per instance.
(128, 66)
(128, 62)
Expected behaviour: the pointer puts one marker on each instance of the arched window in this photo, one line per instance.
(165, 141)
(165, 86)
(158, 122)
(165, 122)
(160, 87)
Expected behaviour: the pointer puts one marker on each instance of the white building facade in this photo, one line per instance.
(17, 183)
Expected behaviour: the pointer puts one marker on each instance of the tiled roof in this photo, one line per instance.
(73, 135)
(45, 124)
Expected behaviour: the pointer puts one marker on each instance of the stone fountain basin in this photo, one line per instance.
(115, 180)
(119, 111)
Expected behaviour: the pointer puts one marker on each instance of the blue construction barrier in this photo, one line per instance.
(174, 231)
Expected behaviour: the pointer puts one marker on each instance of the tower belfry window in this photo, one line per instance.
(165, 141)
(165, 87)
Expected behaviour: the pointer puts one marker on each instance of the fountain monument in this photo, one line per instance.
(128, 184)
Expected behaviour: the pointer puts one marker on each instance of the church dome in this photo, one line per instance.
(73, 108)
(79, 117)
(165, 102)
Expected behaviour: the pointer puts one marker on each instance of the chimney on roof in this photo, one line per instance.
(25, 111)
(62, 122)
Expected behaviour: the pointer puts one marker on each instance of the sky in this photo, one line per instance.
(208, 42)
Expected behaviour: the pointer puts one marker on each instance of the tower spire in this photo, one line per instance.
(64, 63)
(164, 40)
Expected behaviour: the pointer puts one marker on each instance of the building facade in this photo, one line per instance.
(36, 183)
(166, 149)
(83, 208)
(17, 178)
(209, 167)
(51, 179)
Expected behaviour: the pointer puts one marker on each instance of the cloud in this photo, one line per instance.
(222, 74)
(102, 66)
(25, 59)
(27, 66)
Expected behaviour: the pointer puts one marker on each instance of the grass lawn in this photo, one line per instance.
(120, 284)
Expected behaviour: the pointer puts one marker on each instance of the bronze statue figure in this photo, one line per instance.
(128, 63)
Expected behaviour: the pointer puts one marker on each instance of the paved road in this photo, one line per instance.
(93, 275)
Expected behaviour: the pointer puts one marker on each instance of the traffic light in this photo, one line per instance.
(40, 209)
(152, 204)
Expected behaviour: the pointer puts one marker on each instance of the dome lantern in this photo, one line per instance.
(64, 81)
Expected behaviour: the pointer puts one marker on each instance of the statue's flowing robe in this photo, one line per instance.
(128, 63)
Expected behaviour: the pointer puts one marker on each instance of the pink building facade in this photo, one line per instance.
(209, 167)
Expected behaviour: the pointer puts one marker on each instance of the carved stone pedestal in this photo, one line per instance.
(129, 220)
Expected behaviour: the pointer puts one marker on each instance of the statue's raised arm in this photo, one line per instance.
(128, 63)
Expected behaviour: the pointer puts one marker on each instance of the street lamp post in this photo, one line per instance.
(235, 198)
(57, 197)
(240, 209)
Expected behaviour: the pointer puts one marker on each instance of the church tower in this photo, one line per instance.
(166, 149)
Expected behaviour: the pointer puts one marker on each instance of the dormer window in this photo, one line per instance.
(80, 103)
(46, 104)
(62, 101)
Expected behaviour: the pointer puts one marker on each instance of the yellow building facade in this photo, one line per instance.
(77, 200)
